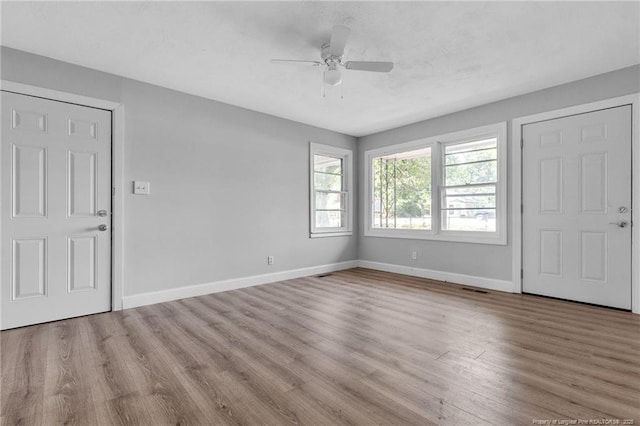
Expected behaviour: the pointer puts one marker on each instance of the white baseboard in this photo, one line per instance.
(232, 284)
(236, 283)
(450, 277)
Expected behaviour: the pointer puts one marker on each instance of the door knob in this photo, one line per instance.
(620, 223)
(103, 227)
(102, 213)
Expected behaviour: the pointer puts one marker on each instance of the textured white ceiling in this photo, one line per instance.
(448, 55)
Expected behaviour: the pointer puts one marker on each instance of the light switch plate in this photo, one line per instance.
(141, 188)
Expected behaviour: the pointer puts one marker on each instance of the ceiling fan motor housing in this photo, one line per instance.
(326, 56)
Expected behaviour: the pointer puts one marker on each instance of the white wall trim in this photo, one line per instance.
(231, 284)
(117, 170)
(516, 181)
(448, 277)
(56, 95)
(117, 207)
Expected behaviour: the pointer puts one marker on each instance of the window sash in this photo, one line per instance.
(342, 210)
(327, 173)
(343, 204)
(492, 160)
(467, 208)
(337, 183)
(448, 214)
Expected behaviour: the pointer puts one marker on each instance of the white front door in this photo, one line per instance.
(55, 163)
(577, 207)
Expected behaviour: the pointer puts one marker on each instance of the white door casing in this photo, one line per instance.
(576, 175)
(56, 178)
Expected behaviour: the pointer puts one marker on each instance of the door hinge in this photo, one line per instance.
(521, 273)
(521, 142)
(521, 208)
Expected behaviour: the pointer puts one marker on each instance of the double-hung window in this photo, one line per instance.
(449, 187)
(470, 180)
(330, 191)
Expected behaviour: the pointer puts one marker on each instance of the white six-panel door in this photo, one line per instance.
(577, 207)
(56, 193)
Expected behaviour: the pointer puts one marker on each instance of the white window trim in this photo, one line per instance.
(499, 237)
(347, 164)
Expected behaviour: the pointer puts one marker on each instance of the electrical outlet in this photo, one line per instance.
(141, 188)
(269, 260)
(414, 255)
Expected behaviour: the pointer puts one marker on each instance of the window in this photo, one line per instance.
(330, 198)
(450, 187)
(402, 190)
(469, 186)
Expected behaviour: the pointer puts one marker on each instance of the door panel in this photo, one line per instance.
(55, 163)
(82, 178)
(29, 268)
(551, 252)
(551, 186)
(82, 265)
(576, 176)
(29, 181)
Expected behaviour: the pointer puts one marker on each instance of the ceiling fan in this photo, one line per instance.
(331, 55)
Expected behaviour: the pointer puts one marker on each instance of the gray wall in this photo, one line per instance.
(482, 260)
(229, 186)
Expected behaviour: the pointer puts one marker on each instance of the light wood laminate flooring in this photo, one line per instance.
(353, 347)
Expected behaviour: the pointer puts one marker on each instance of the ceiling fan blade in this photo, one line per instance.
(314, 63)
(339, 37)
(369, 66)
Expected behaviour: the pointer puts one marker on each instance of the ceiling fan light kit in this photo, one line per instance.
(332, 75)
(332, 54)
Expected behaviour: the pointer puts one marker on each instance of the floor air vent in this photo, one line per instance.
(475, 290)
(323, 275)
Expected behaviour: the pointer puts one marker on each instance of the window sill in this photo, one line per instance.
(431, 236)
(330, 234)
